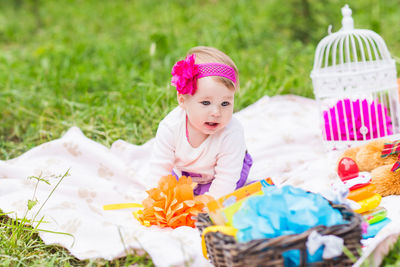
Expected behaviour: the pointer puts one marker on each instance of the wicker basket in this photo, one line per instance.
(224, 250)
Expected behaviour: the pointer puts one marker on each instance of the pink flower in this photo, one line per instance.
(184, 75)
(357, 116)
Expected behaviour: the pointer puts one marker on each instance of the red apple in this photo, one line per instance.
(347, 169)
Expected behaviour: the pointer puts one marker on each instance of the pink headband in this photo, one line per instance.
(185, 74)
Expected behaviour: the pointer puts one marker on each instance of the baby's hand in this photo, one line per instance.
(204, 198)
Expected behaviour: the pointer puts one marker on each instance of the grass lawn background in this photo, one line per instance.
(104, 66)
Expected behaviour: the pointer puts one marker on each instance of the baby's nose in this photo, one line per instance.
(216, 111)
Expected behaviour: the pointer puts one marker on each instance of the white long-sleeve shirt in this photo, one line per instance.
(218, 159)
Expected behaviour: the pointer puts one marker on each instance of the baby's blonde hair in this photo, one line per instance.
(206, 54)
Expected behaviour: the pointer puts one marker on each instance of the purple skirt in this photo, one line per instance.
(203, 188)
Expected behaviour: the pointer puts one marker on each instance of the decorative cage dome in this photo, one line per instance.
(355, 85)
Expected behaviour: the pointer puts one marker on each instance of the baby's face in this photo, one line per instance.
(210, 108)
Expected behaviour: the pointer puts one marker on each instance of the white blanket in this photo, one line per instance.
(282, 135)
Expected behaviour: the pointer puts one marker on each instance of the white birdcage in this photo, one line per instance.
(354, 79)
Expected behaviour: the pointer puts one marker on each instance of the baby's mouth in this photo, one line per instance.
(212, 124)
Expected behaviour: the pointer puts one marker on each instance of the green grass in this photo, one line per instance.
(88, 64)
(393, 258)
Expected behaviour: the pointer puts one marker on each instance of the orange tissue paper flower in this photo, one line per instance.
(172, 203)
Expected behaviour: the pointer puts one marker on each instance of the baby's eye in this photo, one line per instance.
(225, 103)
(205, 103)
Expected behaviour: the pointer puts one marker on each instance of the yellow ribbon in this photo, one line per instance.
(122, 206)
(228, 230)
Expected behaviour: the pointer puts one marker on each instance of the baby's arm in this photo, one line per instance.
(229, 164)
(163, 154)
